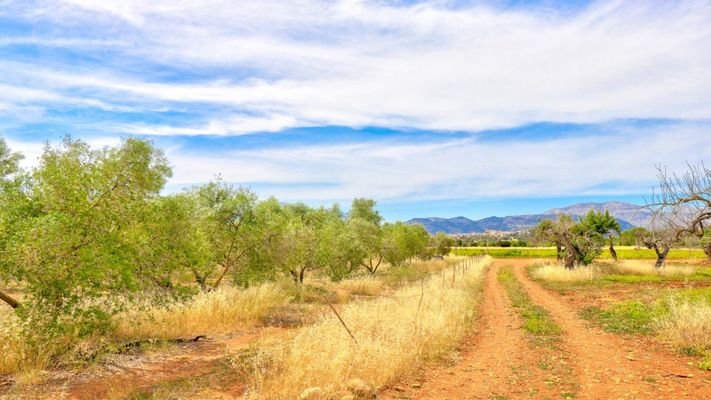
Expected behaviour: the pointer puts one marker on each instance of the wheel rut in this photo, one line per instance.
(615, 367)
(495, 362)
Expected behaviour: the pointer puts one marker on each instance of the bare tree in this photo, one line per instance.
(683, 202)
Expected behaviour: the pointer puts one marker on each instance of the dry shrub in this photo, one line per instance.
(687, 324)
(635, 267)
(558, 273)
(394, 333)
(217, 312)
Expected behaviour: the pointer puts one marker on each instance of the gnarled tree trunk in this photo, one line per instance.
(613, 253)
(707, 250)
(569, 257)
(558, 252)
(661, 256)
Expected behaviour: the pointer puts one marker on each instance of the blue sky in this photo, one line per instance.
(433, 108)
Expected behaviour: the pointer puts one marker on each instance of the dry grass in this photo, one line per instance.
(16, 356)
(394, 334)
(558, 273)
(212, 313)
(687, 324)
(10, 343)
(636, 267)
(365, 286)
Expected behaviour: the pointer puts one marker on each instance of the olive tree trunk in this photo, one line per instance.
(9, 300)
(661, 256)
(613, 253)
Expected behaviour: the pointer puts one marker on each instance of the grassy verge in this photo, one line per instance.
(394, 335)
(226, 310)
(680, 317)
(556, 277)
(536, 320)
(623, 252)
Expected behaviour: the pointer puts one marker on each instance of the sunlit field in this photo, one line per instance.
(623, 252)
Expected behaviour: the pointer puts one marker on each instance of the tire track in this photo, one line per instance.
(612, 367)
(495, 361)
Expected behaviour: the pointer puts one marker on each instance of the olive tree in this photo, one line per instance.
(603, 224)
(404, 242)
(546, 232)
(441, 244)
(225, 217)
(579, 241)
(366, 226)
(73, 248)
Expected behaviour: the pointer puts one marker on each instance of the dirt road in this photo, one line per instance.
(613, 367)
(497, 362)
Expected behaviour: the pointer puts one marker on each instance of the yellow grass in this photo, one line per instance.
(216, 312)
(637, 267)
(393, 338)
(365, 286)
(16, 356)
(558, 273)
(687, 325)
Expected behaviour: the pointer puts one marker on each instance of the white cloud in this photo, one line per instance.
(428, 66)
(617, 162)
(233, 125)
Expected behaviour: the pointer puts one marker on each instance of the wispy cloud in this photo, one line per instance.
(203, 77)
(427, 65)
(617, 161)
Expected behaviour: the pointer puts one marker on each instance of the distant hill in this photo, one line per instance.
(627, 214)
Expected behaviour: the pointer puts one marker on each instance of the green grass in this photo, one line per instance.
(623, 252)
(629, 317)
(637, 317)
(536, 320)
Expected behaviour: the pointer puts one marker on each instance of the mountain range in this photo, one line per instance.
(627, 214)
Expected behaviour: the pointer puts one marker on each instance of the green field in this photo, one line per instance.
(623, 252)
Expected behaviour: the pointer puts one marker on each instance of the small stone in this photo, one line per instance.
(312, 393)
(360, 389)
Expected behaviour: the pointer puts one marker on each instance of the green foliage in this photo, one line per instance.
(72, 243)
(601, 223)
(632, 317)
(403, 242)
(633, 237)
(87, 233)
(441, 244)
(9, 161)
(536, 320)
